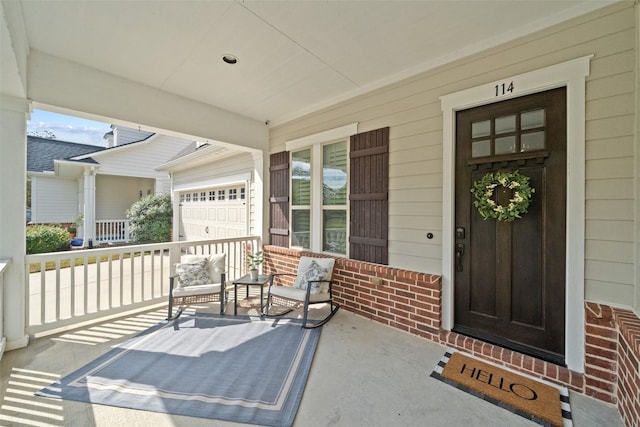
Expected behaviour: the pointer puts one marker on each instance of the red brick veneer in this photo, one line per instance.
(628, 389)
(601, 348)
(412, 302)
(404, 299)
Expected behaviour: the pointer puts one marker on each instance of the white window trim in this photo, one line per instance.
(334, 134)
(316, 207)
(571, 74)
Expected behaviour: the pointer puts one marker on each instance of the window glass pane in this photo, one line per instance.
(481, 148)
(532, 141)
(532, 119)
(301, 224)
(480, 129)
(301, 178)
(334, 174)
(334, 231)
(506, 145)
(506, 124)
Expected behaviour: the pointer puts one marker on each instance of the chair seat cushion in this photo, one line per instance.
(297, 294)
(210, 288)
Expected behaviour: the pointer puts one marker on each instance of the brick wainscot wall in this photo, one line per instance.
(412, 302)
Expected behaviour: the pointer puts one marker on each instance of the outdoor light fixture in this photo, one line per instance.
(230, 59)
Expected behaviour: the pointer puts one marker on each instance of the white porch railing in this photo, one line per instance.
(114, 231)
(67, 288)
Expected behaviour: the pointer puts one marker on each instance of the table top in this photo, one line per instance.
(246, 280)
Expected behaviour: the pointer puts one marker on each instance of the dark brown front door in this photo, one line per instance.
(510, 276)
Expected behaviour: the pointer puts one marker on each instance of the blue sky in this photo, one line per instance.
(68, 128)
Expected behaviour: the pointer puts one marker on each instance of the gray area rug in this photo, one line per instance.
(240, 369)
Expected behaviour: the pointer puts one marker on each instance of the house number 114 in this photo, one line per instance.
(504, 88)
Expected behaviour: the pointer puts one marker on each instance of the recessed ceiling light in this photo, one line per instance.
(230, 59)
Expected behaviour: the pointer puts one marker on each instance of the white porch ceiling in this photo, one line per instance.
(294, 57)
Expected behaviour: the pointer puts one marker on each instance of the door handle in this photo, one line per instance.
(459, 253)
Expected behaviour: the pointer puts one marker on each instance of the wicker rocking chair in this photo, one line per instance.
(312, 285)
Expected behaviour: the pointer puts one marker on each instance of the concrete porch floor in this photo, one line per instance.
(363, 374)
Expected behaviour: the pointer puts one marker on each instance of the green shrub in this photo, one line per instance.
(150, 219)
(46, 238)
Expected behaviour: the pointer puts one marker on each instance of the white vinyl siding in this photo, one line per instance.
(55, 200)
(116, 194)
(141, 159)
(411, 108)
(126, 135)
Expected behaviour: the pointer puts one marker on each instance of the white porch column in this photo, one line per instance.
(89, 228)
(13, 194)
(258, 196)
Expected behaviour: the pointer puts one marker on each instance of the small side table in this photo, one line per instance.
(246, 281)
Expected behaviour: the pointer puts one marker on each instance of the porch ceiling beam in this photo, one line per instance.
(57, 82)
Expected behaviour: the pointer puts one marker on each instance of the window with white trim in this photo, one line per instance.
(319, 197)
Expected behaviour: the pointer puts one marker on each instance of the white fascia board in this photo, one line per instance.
(197, 158)
(119, 148)
(75, 166)
(181, 162)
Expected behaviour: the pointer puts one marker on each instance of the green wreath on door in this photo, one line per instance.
(485, 188)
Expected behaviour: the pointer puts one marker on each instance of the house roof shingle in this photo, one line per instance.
(41, 152)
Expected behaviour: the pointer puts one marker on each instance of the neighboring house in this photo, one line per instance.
(217, 202)
(71, 179)
(54, 198)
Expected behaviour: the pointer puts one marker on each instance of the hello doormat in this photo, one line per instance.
(543, 403)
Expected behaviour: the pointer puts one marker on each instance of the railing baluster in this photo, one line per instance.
(98, 284)
(121, 259)
(153, 272)
(132, 257)
(142, 257)
(43, 291)
(85, 272)
(72, 283)
(110, 273)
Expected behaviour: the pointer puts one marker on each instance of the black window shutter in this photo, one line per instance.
(369, 201)
(279, 199)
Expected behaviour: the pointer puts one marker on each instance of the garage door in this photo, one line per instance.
(213, 213)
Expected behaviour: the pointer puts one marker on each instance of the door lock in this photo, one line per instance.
(460, 233)
(459, 253)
